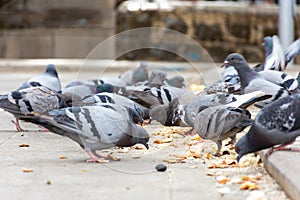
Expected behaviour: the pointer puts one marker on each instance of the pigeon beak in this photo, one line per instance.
(238, 158)
(225, 63)
(146, 145)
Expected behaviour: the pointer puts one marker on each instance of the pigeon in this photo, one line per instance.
(112, 98)
(136, 75)
(223, 121)
(80, 90)
(187, 113)
(48, 79)
(280, 78)
(292, 51)
(109, 80)
(230, 75)
(165, 113)
(274, 59)
(93, 128)
(223, 87)
(219, 116)
(251, 81)
(152, 96)
(176, 81)
(157, 78)
(128, 113)
(276, 124)
(33, 99)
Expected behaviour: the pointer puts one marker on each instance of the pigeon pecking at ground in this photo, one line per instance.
(33, 99)
(93, 128)
(276, 124)
(225, 120)
(251, 81)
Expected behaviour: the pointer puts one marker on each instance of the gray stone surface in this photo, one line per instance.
(284, 168)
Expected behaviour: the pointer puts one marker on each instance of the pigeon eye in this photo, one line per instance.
(239, 148)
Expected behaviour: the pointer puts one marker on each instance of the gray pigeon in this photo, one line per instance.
(219, 116)
(165, 113)
(230, 75)
(251, 81)
(112, 98)
(151, 96)
(80, 90)
(280, 78)
(276, 124)
(221, 122)
(48, 79)
(157, 78)
(292, 51)
(136, 75)
(128, 113)
(93, 128)
(34, 99)
(187, 113)
(110, 80)
(274, 59)
(176, 81)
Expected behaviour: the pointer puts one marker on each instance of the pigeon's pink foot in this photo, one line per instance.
(283, 148)
(43, 129)
(97, 158)
(18, 127)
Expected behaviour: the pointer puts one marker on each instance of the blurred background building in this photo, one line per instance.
(72, 28)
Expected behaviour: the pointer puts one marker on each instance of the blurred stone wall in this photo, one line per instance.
(55, 28)
(72, 28)
(220, 28)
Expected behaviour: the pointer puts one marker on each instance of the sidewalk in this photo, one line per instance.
(134, 176)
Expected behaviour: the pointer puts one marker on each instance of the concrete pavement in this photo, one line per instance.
(133, 177)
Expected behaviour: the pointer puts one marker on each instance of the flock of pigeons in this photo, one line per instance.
(104, 113)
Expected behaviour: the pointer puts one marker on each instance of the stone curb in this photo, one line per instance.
(284, 168)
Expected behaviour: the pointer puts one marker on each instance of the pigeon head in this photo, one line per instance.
(50, 69)
(138, 135)
(234, 59)
(142, 137)
(241, 148)
(268, 45)
(248, 144)
(105, 87)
